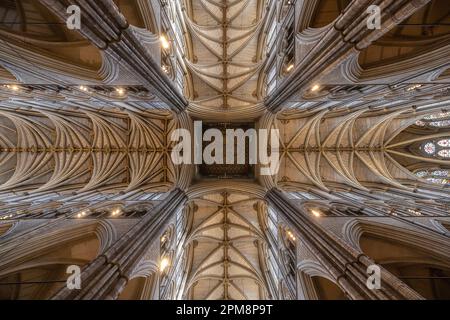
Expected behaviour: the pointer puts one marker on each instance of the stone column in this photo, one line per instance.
(347, 265)
(106, 276)
(106, 28)
(344, 38)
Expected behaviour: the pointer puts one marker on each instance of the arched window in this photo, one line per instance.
(436, 176)
(439, 148)
(444, 153)
(429, 148)
(437, 120)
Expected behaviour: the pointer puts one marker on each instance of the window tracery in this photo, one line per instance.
(437, 120)
(439, 148)
(435, 176)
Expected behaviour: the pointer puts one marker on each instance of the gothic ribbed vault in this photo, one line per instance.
(87, 177)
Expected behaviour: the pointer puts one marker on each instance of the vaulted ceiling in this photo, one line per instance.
(226, 248)
(79, 124)
(226, 56)
(354, 148)
(74, 153)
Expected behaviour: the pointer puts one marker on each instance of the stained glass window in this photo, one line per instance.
(436, 176)
(442, 123)
(444, 142)
(444, 153)
(429, 148)
(438, 116)
(421, 123)
(421, 174)
(441, 173)
(437, 120)
(438, 148)
(438, 180)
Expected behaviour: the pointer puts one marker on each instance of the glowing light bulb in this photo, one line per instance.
(414, 87)
(316, 213)
(315, 88)
(13, 87)
(291, 235)
(165, 69)
(116, 213)
(290, 68)
(164, 42)
(164, 264)
(120, 91)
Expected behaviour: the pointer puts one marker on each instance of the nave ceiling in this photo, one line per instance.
(356, 149)
(225, 248)
(86, 118)
(226, 57)
(81, 151)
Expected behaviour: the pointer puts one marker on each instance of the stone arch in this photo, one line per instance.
(418, 259)
(419, 44)
(316, 283)
(38, 270)
(38, 281)
(6, 228)
(427, 242)
(327, 289)
(140, 288)
(420, 33)
(89, 238)
(144, 281)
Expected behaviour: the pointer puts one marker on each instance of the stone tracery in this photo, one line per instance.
(85, 148)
